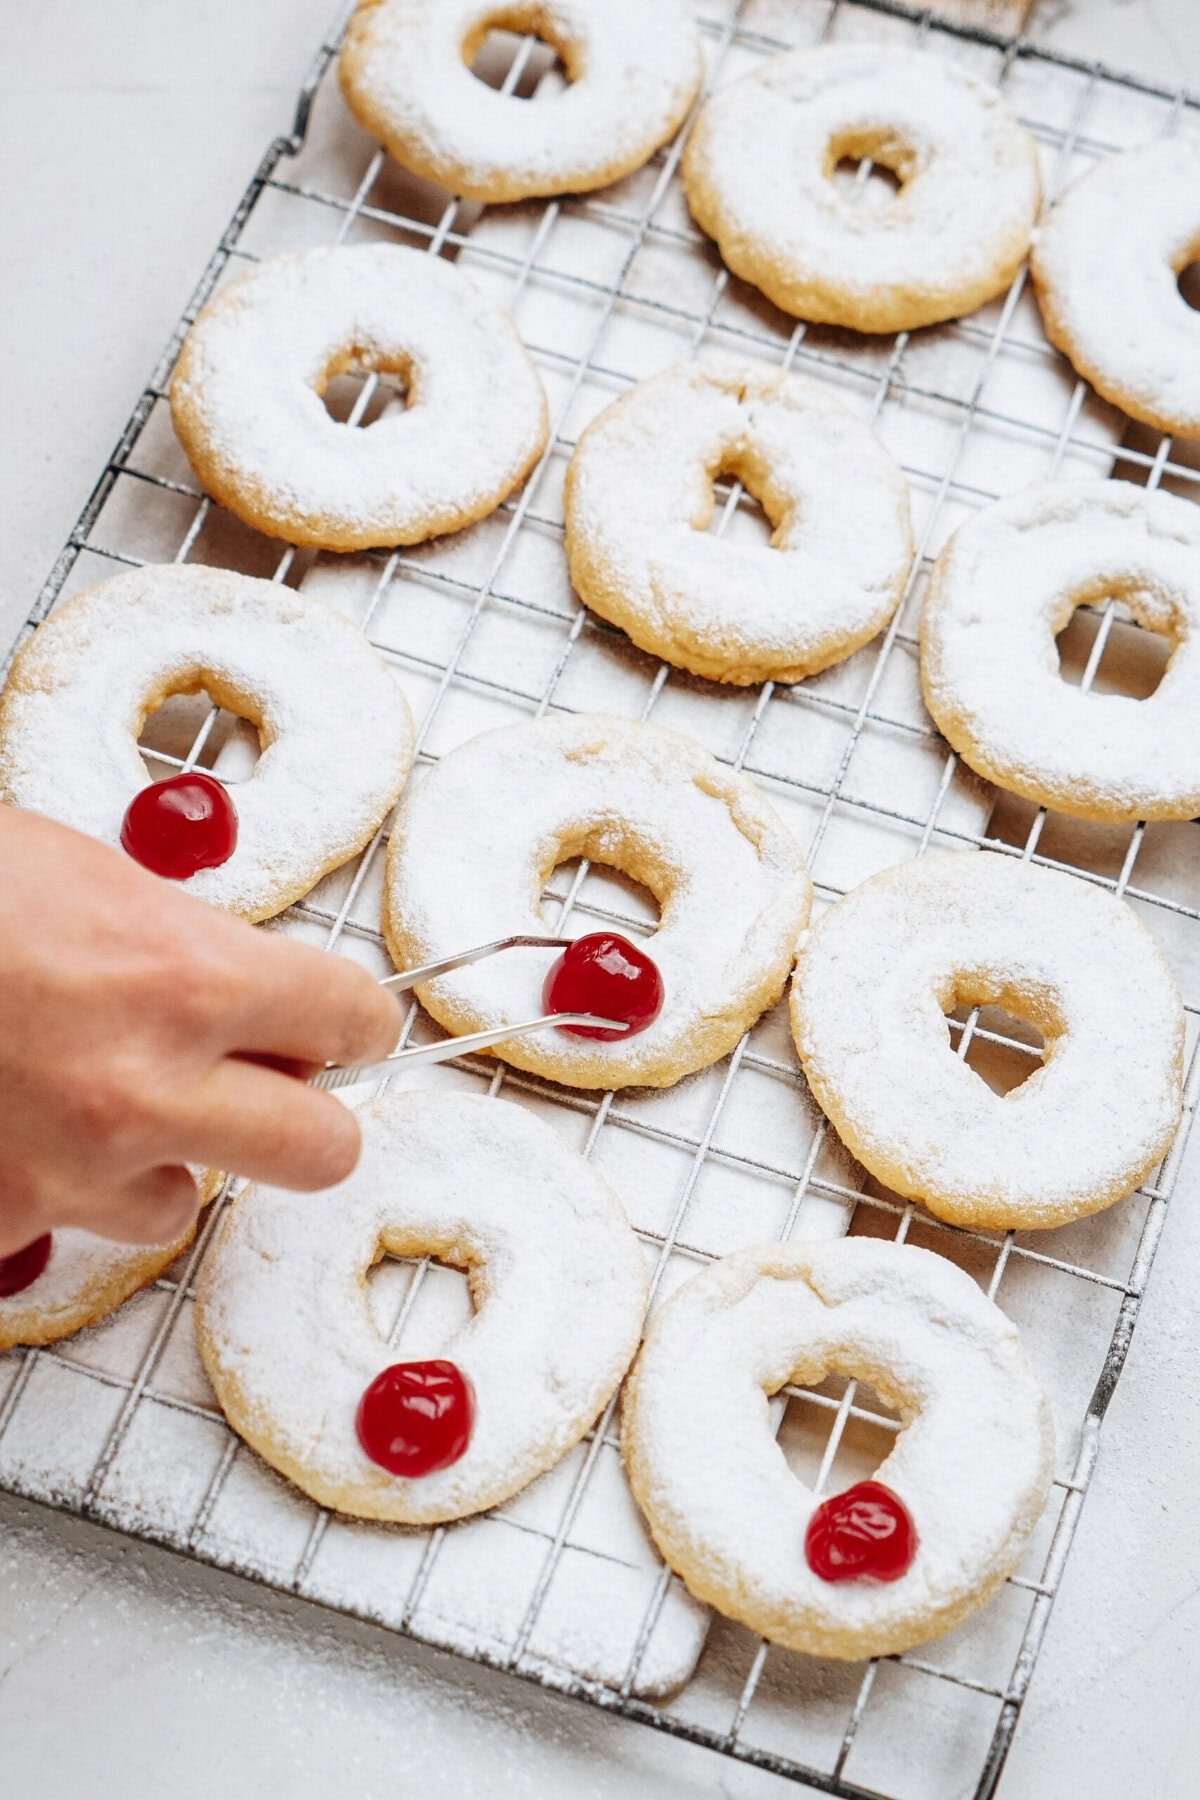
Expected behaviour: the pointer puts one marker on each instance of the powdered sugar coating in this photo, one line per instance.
(246, 398)
(883, 967)
(973, 1462)
(757, 174)
(336, 730)
(86, 1277)
(632, 72)
(1120, 318)
(639, 496)
(1006, 585)
(557, 1276)
(479, 836)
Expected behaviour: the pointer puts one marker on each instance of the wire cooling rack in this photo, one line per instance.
(562, 1585)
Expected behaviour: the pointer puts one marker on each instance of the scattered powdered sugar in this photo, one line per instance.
(335, 727)
(639, 495)
(246, 397)
(972, 1463)
(478, 1596)
(1006, 585)
(557, 1275)
(479, 836)
(882, 968)
(1105, 263)
(757, 177)
(632, 72)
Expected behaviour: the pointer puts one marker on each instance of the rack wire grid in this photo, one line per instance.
(562, 1585)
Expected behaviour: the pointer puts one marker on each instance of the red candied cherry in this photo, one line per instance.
(606, 975)
(22, 1268)
(416, 1417)
(868, 1530)
(180, 825)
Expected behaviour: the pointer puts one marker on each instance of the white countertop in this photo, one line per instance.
(128, 129)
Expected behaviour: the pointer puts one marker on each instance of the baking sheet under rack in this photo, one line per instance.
(562, 1585)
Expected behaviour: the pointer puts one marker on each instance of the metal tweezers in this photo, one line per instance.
(338, 1075)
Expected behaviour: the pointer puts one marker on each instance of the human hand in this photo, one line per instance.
(141, 1029)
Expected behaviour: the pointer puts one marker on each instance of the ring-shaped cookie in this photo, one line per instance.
(86, 1278)
(335, 729)
(882, 969)
(972, 1462)
(758, 175)
(1005, 586)
(246, 398)
(639, 497)
(557, 1277)
(479, 837)
(632, 72)
(1121, 321)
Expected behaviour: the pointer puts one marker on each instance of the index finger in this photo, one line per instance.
(310, 1006)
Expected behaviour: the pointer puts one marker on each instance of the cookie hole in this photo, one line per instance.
(747, 521)
(362, 396)
(517, 63)
(811, 1414)
(1133, 660)
(1004, 1050)
(866, 181)
(179, 731)
(1188, 283)
(417, 1303)
(605, 899)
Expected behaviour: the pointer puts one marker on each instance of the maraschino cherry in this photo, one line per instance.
(22, 1268)
(605, 974)
(180, 825)
(868, 1530)
(416, 1417)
